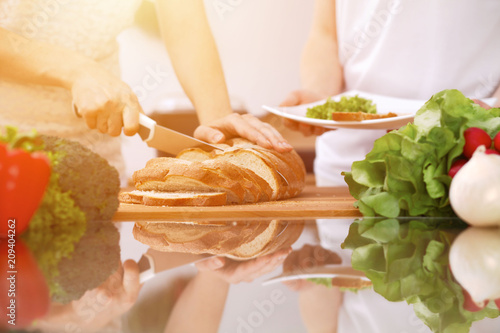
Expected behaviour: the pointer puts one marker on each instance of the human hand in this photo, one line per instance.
(482, 104)
(299, 97)
(105, 102)
(97, 307)
(246, 126)
(307, 257)
(233, 271)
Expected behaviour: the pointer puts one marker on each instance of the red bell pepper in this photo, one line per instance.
(24, 176)
(24, 293)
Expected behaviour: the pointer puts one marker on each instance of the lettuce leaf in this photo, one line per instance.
(407, 260)
(406, 172)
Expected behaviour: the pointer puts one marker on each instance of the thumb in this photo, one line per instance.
(131, 283)
(209, 134)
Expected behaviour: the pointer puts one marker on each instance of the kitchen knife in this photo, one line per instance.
(168, 140)
(153, 262)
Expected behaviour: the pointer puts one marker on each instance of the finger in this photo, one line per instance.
(291, 100)
(130, 119)
(131, 283)
(211, 264)
(245, 271)
(305, 129)
(90, 118)
(102, 122)
(319, 130)
(115, 124)
(271, 133)
(247, 127)
(209, 134)
(482, 104)
(275, 261)
(291, 124)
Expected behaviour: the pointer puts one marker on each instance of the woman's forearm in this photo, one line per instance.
(33, 62)
(191, 46)
(200, 306)
(321, 71)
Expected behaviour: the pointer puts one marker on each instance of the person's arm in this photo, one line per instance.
(194, 56)
(103, 100)
(320, 69)
(201, 304)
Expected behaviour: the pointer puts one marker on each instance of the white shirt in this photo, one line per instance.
(409, 49)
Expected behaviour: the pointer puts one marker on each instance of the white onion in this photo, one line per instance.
(475, 190)
(475, 262)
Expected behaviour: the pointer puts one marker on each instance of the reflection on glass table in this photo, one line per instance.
(403, 283)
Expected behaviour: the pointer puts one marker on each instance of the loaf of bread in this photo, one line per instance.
(240, 240)
(244, 172)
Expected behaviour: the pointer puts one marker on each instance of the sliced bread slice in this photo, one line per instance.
(153, 198)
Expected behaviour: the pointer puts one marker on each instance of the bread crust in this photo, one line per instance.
(240, 240)
(359, 116)
(246, 172)
(152, 198)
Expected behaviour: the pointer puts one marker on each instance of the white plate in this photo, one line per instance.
(404, 108)
(327, 271)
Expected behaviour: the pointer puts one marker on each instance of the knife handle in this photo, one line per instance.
(148, 123)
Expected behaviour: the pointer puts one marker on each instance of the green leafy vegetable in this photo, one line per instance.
(406, 173)
(408, 261)
(346, 104)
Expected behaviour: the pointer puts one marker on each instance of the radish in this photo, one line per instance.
(475, 137)
(496, 141)
(492, 151)
(457, 165)
(469, 303)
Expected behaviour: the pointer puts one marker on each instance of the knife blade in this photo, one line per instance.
(166, 139)
(153, 262)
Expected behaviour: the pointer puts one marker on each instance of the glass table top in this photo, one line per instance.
(259, 275)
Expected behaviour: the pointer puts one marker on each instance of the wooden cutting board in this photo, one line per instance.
(313, 202)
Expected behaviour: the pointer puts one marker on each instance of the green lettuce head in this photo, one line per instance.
(406, 173)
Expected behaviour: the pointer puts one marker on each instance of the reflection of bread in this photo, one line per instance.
(350, 283)
(358, 116)
(152, 198)
(245, 172)
(237, 240)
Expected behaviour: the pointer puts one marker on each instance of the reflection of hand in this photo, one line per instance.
(233, 271)
(105, 102)
(307, 257)
(246, 126)
(97, 307)
(300, 97)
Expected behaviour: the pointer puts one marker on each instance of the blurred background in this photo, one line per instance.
(260, 45)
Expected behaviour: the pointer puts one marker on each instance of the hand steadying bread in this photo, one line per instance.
(243, 172)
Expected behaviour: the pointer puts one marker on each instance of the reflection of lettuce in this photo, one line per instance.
(406, 173)
(408, 261)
